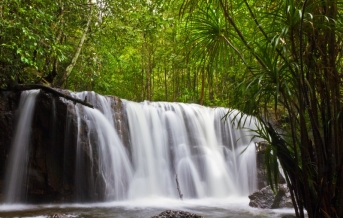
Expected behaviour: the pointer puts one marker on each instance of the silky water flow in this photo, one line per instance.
(169, 143)
(14, 187)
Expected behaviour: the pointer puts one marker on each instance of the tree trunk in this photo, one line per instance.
(202, 96)
(165, 81)
(69, 69)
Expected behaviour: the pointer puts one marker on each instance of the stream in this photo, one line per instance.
(214, 208)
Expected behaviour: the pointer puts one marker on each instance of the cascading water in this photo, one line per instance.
(168, 143)
(18, 158)
(113, 171)
(191, 141)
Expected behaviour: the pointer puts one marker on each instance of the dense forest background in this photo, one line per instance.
(271, 59)
(137, 50)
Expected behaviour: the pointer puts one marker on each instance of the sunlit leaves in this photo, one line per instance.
(35, 34)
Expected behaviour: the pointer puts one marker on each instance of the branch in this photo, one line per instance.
(267, 38)
(22, 87)
(178, 187)
(240, 34)
(239, 54)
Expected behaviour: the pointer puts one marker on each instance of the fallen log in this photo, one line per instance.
(22, 87)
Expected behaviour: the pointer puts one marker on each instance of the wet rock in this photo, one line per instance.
(51, 148)
(262, 180)
(38, 182)
(261, 171)
(265, 198)
(58, 215)
(8, 105)
(176, 214)
(283, 198)
(121, 122)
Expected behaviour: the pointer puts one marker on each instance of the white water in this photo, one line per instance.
(191, 141)
(14, 190)
(114, 166)
(167, 140)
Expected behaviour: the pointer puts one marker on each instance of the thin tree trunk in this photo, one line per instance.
(202, 87)
(1, 8)
(69, 69)
(54, 71)
(142, 72)
(148, 72)
(165, 81)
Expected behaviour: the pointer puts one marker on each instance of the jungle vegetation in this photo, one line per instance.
(280, 61)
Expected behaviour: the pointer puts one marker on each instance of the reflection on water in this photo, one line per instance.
(233, 207)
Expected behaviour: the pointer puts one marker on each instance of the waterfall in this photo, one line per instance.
(193, 142)
(165, 144)
(113, 171)
(17, 167)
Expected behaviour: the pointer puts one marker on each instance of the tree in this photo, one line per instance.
(70, 67)
(292, 55)
(38, 39)
(133, 49)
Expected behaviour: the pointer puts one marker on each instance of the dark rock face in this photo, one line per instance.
(8, 104)
(119, 115)
(176, 214)
(52, 150)
(265, 198)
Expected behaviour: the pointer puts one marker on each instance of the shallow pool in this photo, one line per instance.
(214, 208)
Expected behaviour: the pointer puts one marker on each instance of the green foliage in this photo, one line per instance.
(133, 49)
(291, 52)
(274, 60)
(38, 38)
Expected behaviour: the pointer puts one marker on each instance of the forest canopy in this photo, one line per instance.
(132, 49)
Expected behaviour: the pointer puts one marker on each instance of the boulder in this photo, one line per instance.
(262, 180)
(176, 214)
(266, 199)
(58, 215)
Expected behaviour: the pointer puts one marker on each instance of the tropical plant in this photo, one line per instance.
(292, 52)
